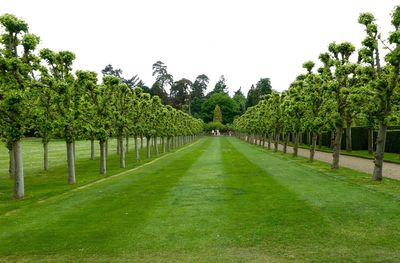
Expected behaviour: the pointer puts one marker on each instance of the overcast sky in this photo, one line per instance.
(243, 40)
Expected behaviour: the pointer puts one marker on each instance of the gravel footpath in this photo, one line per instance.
(390, 170)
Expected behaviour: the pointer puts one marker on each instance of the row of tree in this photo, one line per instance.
(339, 94)
(39, 92)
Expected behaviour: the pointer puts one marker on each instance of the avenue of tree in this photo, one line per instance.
(336, 96)
(39, 93)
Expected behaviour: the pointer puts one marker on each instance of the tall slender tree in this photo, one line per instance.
(68, 101)
(384, 79)
(17, 65)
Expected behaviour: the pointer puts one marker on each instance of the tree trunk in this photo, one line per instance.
(313, 145)
(296, 143)
(285, 143)
(263, 141)
(155, 146)
(336, 147)
(19, 170)
(103, 159)
(349, 144)
(168, 144)
(71, 163)
(370, 141)
(148, 147)
(379, 152)
(74, 148)
(118, 146)
(276, 142)
(137, 154)
(269, 142)
(46, 156)
(107, 149)
(121, 152)
(127, 144)
(11, 164)
(332, 140)
(300, 140)
(91, 149)
(141, 142)
(163, 144)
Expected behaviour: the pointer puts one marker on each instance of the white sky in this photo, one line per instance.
(243, 40)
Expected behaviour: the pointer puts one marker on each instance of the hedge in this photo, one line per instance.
(359, 137)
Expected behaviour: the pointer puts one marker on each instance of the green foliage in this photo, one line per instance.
(133, 82)
(163, 79)
(217, 114)
(199, 86)
(215, 126)
(16, 76)
(255, 94)
(220, 86)
(180, 94)
(228, 107)
(240, 99)
(197, 95)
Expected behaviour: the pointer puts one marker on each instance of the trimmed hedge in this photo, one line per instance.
(359, 137)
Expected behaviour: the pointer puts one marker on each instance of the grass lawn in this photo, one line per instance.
(40, 185)
(217, 200)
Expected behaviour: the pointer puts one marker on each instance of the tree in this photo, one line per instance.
(252, 97)
(228, 106)
(297, 108)
(180, 94)
(199, 86)
(163, 78)
(317, 114)
(121, 107)
(44, 111)
(158, 90)
(264, 87)
(340, 89)
(384, 80)
(197, 95)
(68, 101)
(143, 86)
(255, 94)
(217, 114)
(220, 86)
(97, 112)
(132, 82)
(240, 99)
(17, 65)
(274, 101)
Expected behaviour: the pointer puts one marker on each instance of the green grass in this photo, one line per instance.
(217, 200)
(40, 185)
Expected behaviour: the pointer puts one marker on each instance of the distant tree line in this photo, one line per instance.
(190, 96)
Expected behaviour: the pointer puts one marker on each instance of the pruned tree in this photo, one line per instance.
(17, 65)
(384, 80)
(68, 101)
